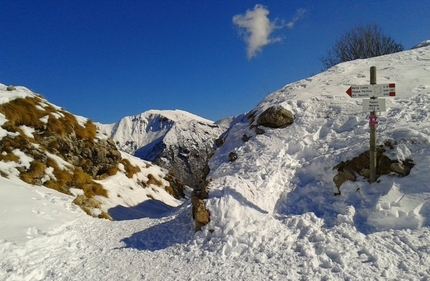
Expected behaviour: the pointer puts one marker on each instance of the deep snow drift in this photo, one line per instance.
(274, 215)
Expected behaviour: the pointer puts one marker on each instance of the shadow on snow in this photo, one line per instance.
(175, 226)
(153, 209)
(310, 195)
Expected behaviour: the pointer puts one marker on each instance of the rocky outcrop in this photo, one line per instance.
(201, 215)
(360, 165)
(94, 157)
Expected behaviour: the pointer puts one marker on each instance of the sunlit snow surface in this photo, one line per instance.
(274, 216)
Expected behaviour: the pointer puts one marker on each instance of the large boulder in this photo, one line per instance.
(276, 117)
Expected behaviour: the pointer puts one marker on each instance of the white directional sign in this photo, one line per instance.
(375, 90)
(370, 105)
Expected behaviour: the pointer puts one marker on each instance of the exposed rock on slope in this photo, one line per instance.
(275, 117)
(360, 165)
(176, 140)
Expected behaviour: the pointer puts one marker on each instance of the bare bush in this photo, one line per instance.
(361, 42)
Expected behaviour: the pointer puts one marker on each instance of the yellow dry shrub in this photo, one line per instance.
(60, 126)
(34, 173)
(153, 180)
(88, 132)
(22, 111)
(170, 190)
(110, 172)
(105, 215)
(9, 157)
(130, 170)
(84, 181)
(63, 177)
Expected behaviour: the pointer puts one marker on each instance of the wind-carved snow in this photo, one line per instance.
(273, 212)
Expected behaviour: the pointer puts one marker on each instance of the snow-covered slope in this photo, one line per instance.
(274, 216)
(174, 139)
(290, 171)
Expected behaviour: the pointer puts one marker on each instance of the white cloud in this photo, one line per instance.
(256, 28)
(299, 14)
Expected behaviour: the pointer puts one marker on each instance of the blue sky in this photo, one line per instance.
(107, 59)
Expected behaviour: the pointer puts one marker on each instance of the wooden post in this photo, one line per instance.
(372, 151)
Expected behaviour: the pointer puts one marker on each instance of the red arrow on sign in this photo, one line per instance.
(349, 91)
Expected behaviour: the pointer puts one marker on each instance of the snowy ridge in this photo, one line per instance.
(273, 213)
(153, 126)
(330, 127)
(173, 139)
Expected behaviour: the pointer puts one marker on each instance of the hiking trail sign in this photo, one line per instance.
(368, 91)
(373, 92)
(371, 103)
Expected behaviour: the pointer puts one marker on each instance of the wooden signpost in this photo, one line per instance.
(372, 105)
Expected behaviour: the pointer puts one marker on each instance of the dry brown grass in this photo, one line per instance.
(88, 132)
(22, 111)
(130, 170)
(34, 173)
(28, 111)
(9, 143)
(9, 157)
(176, 187)
(25, 111)
(105, 215)
(63, 178)
(84, 181)
(149, 196)
(153, 180)
(170, 190)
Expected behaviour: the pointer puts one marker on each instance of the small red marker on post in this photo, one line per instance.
(373, 120)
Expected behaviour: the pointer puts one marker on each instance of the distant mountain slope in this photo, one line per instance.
(43, 144)
(176, 140)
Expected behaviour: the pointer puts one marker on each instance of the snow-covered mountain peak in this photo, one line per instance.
(173, 139)
(424, 43)
(176, 115)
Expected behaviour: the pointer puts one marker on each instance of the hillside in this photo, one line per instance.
(274, 213)
(44, 145)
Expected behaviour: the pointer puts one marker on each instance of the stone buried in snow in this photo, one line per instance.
(276, 117)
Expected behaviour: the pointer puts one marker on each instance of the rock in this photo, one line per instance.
(400, 169)
(219, 142)
(365, 173)
(95, 158)
(245, 138)
(10, 88)
(232, 156)
(276, 117)
(343, 176)
(200, 214)
(361, 165)
(259, 131)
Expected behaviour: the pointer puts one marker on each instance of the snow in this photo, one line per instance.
(141, 134)
(273, 212)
